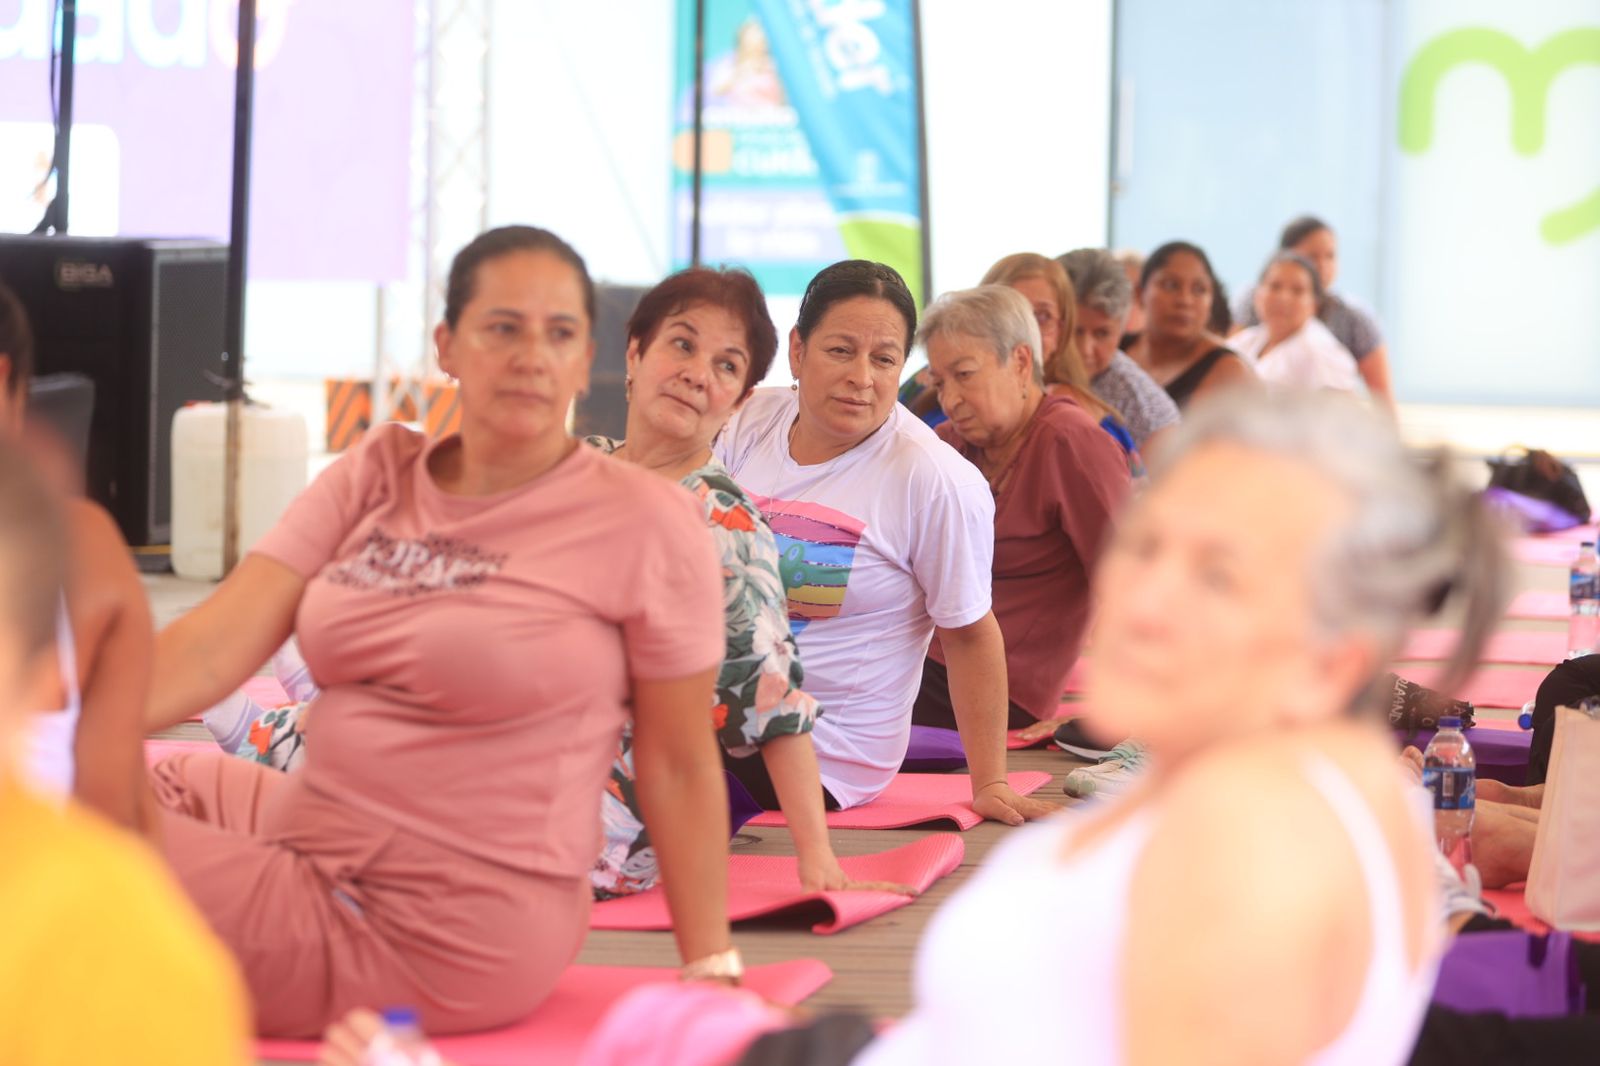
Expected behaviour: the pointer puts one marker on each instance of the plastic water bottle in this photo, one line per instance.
(400, 1042)
(1449, 772)
(1583, 624)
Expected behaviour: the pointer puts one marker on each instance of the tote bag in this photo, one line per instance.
(1564, 877)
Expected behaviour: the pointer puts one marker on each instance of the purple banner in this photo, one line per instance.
(153, 129)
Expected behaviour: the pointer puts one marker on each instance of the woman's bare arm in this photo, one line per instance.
(113, 636)
(685, 804)
(216, 647)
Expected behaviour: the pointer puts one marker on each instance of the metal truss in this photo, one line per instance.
(449, 193)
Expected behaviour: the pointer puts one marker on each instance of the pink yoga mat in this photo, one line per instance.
(1513, 907)
(1486, 688)
(917, 799)
(1576, 534)
(1542, 606)
(557, 1031)
(761, 885)
(1544, 551)
(1526, 647)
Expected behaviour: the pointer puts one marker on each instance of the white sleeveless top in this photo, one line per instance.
(47, 760)
(1070, 960)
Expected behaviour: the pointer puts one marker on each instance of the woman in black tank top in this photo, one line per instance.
(1176, 290)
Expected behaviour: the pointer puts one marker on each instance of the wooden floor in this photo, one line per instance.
(872, 963)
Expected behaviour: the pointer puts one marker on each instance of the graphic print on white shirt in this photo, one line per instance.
(876, 547)
(816, 550)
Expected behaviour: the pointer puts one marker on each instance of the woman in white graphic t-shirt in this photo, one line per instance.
(885, 536)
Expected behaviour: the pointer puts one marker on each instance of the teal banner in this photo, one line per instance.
(812, 140)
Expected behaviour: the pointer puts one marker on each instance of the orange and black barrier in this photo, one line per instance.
(350, 410)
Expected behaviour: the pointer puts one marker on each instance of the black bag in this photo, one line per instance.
(1544, 477)
(1413, 707)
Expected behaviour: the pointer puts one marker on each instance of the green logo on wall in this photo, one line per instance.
(1528, 75)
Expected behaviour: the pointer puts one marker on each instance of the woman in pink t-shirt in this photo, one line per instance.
(484, 613)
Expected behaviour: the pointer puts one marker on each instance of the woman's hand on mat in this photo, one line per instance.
(826, 875)
(1044, 730)
(999, 802)
(355, 1040)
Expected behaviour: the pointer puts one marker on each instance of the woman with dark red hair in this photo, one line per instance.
(698, 344)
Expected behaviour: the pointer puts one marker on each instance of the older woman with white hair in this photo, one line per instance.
(1105, 304)
(1057, 481)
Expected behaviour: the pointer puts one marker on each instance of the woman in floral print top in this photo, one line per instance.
(697, 344)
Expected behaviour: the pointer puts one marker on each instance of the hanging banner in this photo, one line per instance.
(812, 142)
(1495, 150)
(152, 145)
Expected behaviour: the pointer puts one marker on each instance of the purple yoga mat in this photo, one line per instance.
(933, 750)
(1502, 753)
(1520, 975)
(1531, 515)
(741, 805)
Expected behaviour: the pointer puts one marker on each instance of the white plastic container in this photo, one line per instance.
(273, 464)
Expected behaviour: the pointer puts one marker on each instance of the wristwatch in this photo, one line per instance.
(723, 966)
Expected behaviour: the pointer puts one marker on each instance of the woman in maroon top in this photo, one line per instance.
(1057, 480)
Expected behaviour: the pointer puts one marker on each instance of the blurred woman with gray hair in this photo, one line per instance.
(1057, 480)
(1105, 302)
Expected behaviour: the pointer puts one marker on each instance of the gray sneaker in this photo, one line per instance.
(1109, 776)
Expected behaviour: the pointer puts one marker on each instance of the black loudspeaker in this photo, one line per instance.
(143, 319)
(605, 410)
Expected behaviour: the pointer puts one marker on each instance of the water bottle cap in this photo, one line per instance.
(400, 1017)
(1450, 721)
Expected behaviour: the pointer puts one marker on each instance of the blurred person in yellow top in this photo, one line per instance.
(102, 959)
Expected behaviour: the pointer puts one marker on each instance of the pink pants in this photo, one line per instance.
(328, 908)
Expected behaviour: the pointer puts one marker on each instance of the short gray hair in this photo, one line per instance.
(1099, 280)
(997, 315)
(1414, 537)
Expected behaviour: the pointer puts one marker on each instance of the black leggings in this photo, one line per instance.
(933, 706)
(833, 1039)
(1450, 1038)
(1574, 680)
(751, 770)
